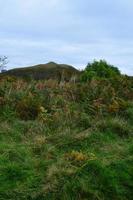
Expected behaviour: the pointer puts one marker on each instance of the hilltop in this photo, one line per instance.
(49, 70)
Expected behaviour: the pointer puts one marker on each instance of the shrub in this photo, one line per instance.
(28, 108)
(99, 69)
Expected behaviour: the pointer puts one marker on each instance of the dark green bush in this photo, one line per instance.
(99, 69)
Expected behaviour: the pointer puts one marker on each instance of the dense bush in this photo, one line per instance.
(99, 69)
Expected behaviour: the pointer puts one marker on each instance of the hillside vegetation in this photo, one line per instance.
(51, 70)
(67, 140)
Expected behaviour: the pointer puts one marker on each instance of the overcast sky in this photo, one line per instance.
(67, 31)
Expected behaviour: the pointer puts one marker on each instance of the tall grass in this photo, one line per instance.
(67, 142)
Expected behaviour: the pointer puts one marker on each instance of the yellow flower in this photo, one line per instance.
(41, 109)
(76, 156)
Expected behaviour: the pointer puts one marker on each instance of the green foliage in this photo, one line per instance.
(99, 69)
(116, 125)
(70, 141)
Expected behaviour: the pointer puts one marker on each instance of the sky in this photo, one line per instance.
(67, 31)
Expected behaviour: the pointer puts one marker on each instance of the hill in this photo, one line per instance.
(73, 142)
(49, 70)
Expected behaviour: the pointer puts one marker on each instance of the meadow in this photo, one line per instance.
(69, 141)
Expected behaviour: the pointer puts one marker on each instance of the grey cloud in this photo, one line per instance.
(73, 32)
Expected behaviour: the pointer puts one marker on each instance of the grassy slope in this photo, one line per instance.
(45, 71)
(89, 157)
(40, 166)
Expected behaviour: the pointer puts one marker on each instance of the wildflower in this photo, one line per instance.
(76, 156)
(42, 109)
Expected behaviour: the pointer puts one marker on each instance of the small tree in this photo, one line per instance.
(3, 62)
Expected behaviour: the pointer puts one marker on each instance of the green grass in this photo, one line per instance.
(66, 151)
(34, 165)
